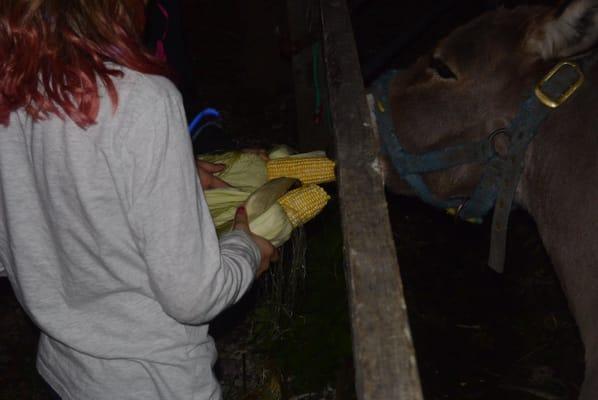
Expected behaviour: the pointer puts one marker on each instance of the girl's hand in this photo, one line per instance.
(206, 171)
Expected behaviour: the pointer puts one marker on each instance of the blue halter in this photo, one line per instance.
(502, 171)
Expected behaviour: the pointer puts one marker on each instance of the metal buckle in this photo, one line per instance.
(455, 212)
(554, 103)
(492, 139)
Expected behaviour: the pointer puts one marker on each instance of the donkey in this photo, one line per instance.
(474, 83)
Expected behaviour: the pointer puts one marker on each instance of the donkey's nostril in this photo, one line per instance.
(443, 70)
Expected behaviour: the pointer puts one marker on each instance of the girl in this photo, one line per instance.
(104, 231)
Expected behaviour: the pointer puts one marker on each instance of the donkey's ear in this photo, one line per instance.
(570, 28)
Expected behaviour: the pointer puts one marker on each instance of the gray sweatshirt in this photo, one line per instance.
(107, 241)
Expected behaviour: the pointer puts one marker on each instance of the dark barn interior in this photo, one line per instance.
(477, 334)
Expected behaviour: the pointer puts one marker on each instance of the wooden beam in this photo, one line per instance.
(385, 364)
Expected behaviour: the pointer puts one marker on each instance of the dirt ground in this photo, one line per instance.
(478, 334)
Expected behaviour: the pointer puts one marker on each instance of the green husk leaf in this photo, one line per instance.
(284, 151)
(272, 225)
(263, 198)
(223, 203)
(245, 171)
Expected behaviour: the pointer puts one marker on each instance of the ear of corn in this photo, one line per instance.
(263, 187)
(307, 169)
(303, 204)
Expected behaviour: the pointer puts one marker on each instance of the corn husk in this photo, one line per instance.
(266, 216)
(273, 225)
(223, 203)
(244, 171)
(284, 151)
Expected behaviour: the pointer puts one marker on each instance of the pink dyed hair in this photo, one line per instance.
(54, 53)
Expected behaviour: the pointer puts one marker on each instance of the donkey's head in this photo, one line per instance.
(475, 80)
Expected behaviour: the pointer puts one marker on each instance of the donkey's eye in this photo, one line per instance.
(443, 70)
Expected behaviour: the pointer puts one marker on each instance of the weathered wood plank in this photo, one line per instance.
(385, 364)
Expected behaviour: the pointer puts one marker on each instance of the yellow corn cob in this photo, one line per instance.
(304, 203)
(308, 170)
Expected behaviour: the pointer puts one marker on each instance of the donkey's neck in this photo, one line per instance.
(559, 186)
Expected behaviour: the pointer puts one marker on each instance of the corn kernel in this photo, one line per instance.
(304, 203)
(308, 170)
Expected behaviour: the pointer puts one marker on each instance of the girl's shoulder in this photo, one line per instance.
(146, 86)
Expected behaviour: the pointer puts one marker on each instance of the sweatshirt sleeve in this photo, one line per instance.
(192, 274)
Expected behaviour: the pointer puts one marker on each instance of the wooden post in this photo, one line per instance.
(385, 364)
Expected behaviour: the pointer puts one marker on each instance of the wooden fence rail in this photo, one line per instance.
(385, 364)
